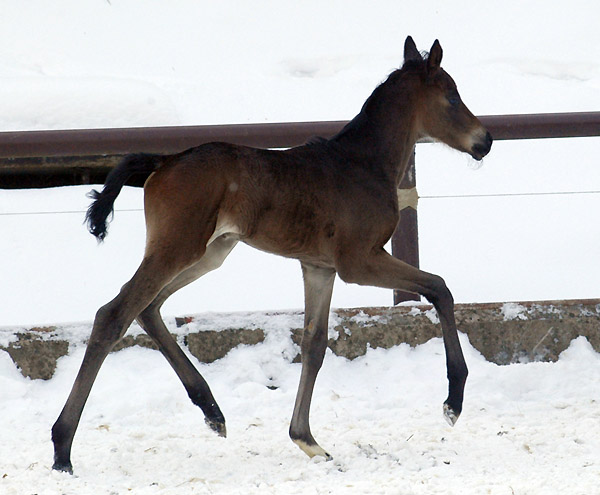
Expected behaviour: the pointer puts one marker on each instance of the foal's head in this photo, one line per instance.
(440, 112)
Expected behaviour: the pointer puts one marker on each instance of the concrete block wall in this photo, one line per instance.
(503, 332)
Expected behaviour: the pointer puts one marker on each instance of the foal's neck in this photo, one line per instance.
(383, 134)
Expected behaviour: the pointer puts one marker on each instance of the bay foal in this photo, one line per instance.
(331, 204)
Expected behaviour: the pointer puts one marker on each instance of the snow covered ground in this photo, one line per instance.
(526, 429)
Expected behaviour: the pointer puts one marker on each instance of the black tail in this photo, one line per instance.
(102, 207)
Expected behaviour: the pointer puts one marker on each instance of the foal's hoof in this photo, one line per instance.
(217, 425)
(451, 415)
(64, 467)
(313, 450)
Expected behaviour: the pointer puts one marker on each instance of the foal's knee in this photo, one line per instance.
(437, 292)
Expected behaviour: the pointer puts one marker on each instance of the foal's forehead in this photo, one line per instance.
(444, 80)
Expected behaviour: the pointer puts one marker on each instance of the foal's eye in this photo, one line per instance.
(454, 99)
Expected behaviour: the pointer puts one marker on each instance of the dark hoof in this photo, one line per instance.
(63, 467)
(451, 414)
(218, 426)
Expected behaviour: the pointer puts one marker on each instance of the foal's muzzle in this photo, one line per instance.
(482, 147)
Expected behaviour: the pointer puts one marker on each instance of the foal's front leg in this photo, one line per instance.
(318, 286)
(380, 269)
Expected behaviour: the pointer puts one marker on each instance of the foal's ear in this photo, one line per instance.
(435, 57)
(410, 51)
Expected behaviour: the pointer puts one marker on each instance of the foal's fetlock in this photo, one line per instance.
(62, 449)
(213, 416)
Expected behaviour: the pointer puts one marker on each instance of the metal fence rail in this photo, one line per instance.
(68, 157)
(90, 142)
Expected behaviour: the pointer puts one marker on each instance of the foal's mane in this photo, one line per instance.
(411, 65)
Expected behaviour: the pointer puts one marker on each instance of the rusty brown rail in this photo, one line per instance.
(94, 142)
(68, 157)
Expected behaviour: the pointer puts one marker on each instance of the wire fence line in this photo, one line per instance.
(437, 196)
(64, 212)
(502, 195)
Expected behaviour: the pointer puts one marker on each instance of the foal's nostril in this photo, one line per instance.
(482, 148)
(486, 143)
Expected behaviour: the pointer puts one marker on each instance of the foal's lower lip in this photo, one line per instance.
(478, 152)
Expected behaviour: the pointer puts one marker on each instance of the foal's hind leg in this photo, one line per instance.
(318, 286)
(110, 324)
(151, 321)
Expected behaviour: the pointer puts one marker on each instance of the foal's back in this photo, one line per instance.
(299, 203)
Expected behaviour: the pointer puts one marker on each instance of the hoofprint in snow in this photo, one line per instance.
(526, 428)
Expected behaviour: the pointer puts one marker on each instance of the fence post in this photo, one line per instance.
(405, 241)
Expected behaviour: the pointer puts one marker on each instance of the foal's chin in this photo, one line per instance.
(477, 156)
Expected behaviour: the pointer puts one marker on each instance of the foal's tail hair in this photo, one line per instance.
(102, 207)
